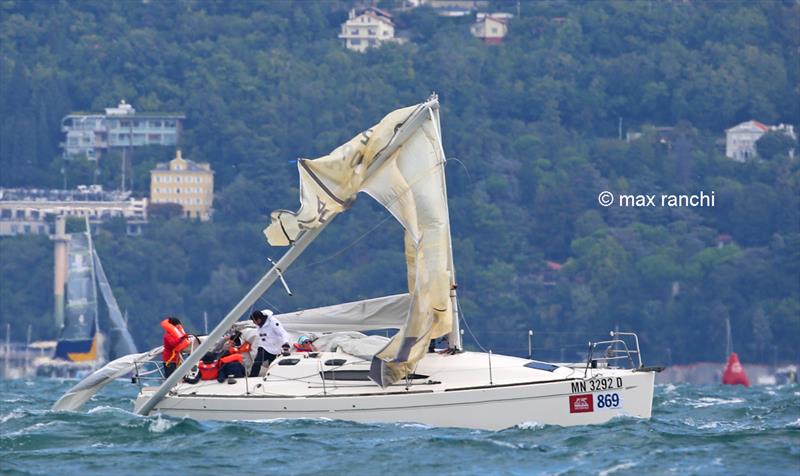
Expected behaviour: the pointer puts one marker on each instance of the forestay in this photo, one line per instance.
(410, 184)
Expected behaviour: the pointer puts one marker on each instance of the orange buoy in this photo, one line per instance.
(734, 373)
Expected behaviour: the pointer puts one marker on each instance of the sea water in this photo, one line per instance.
(694, 430)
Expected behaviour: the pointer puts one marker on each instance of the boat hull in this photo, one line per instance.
(491, 407)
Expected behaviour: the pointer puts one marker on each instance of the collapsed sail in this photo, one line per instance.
(410, 184)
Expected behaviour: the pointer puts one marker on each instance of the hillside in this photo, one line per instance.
(534, 124)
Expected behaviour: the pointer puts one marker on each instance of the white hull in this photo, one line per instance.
(544, 397)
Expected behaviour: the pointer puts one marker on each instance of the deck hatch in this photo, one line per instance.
(541, 366)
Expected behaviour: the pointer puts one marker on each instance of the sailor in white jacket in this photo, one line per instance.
(272, 338)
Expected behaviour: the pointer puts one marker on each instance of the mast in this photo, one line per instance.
(728, 338)
(454, 338)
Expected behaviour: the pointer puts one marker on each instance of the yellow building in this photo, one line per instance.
(186, 183)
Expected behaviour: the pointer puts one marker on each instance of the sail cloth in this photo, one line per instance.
(77, 341)
(388, 312)
(122, 341)
(410, 184)
(86, 388)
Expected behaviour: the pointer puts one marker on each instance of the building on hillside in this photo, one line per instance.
(370, 27)
(740, 140)
(186, 183)
(92, 133)
(491, 27)
(33, 211)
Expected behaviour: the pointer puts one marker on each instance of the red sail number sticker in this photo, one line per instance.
(581, 403)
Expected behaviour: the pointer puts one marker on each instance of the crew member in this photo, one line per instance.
(272, 339)
(175, 341)
(231, 364)
(304, 344)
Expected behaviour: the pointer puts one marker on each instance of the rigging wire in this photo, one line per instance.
(353, 243)
(466, 324)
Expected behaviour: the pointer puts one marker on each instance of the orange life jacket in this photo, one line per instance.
(304, 347)
(231, 358)
(175, 340)
(208, 371)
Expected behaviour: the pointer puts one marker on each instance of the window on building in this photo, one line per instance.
(156, 124)
(20, 214)
(385, 32)
(355, 42)
(169, 123)
(494, 30)
(27, 229)
(371, 32)
(373, 42)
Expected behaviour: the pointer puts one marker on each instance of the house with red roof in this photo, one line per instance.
(491, 27)
(366, 28)
(740, 140)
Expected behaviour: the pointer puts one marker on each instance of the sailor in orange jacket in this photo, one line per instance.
(175, 341)
(231, 365)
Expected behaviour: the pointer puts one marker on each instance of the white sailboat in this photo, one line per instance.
(351, 376)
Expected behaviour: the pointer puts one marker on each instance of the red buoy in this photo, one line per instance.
(734, 373)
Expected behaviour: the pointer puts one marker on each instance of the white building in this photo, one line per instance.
(740, 140)
(370, 28)
(31, 211)
(491, 27)
(121, 126)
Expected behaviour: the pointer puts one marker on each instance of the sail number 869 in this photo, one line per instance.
(608, 401)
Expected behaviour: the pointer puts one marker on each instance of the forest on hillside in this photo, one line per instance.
(534, 124)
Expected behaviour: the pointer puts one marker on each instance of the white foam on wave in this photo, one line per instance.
(712, 401)
(32, 428)
(14, 400)
(108, 409)
(103, 445)
(670, 388)
(504, 444)
(16, 413)
(619, 467)
(160, 425)
(416, 425)
(530, 425)
(794, 424)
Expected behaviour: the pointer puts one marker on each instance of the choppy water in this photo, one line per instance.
(694, 430)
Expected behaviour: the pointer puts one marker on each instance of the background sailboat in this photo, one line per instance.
(82, 346)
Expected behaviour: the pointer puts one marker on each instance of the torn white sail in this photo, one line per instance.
(410, 184)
